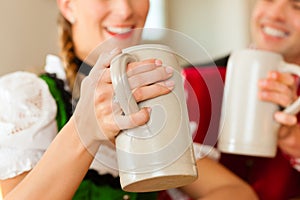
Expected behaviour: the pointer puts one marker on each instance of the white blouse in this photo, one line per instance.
(27, 122)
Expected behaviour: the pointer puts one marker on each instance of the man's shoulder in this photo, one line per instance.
(220, 62)
(214, 70)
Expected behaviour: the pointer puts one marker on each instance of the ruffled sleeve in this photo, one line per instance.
(27, 122)
(201, 150)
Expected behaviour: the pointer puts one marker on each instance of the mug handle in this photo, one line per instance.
(123, 93)
(294, 108)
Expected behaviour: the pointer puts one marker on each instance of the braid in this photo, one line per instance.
(67, 49)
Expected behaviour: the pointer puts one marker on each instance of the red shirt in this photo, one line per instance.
(271, 178)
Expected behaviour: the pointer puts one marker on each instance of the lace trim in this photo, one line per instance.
(22, 103)
(27, 111)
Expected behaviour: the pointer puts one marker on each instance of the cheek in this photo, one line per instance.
(258, 11)
(93, 11)
(253, 24)
(255, 19)
(141, 9)
(256, 15)
(297, 24)
(143, 18)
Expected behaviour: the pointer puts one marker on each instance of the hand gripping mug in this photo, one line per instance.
(158, 155)
(247, 125)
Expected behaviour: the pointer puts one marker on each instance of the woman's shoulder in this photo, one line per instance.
(54, 66)
(30, 115)
(27, 111)
(20, 85)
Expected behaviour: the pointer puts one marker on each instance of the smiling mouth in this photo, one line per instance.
(119, 30)
(274, 32)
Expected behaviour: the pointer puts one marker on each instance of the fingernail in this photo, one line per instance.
(158, 62)
(169, 70)
(170, 84)
(149, 110)
(279, 117)
(293, 120)
(272, 75)
(262, 83)
(284, 118)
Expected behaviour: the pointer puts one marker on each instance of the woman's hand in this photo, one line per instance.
(280, 88)
(147, 79)
(98, 117)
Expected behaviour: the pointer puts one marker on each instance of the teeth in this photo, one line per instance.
(119, 30)
(274, 32)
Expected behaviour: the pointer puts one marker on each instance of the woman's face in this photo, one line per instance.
(98, 20)
(276, 27)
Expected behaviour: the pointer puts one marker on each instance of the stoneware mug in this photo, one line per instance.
(247, 125)
(158, 155)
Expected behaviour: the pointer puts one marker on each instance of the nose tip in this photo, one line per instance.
(124, 8)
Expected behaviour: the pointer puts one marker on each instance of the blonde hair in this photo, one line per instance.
(67, 49)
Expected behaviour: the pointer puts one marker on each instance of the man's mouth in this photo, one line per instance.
(270, 31)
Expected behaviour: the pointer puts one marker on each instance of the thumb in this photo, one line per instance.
(103, 62)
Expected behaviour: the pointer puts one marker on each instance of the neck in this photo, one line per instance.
(293, 59)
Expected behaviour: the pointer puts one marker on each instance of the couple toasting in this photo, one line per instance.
(86, 23)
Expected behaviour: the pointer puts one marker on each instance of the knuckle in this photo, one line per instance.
(162, 73)
(145, 116)
(110, 124)
(138, 94)
(100, 96)
(140, 118)
(163, 89)
(131, 66)
(134, 82)
(103, 110)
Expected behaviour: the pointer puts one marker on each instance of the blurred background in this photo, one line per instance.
(29, 33)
